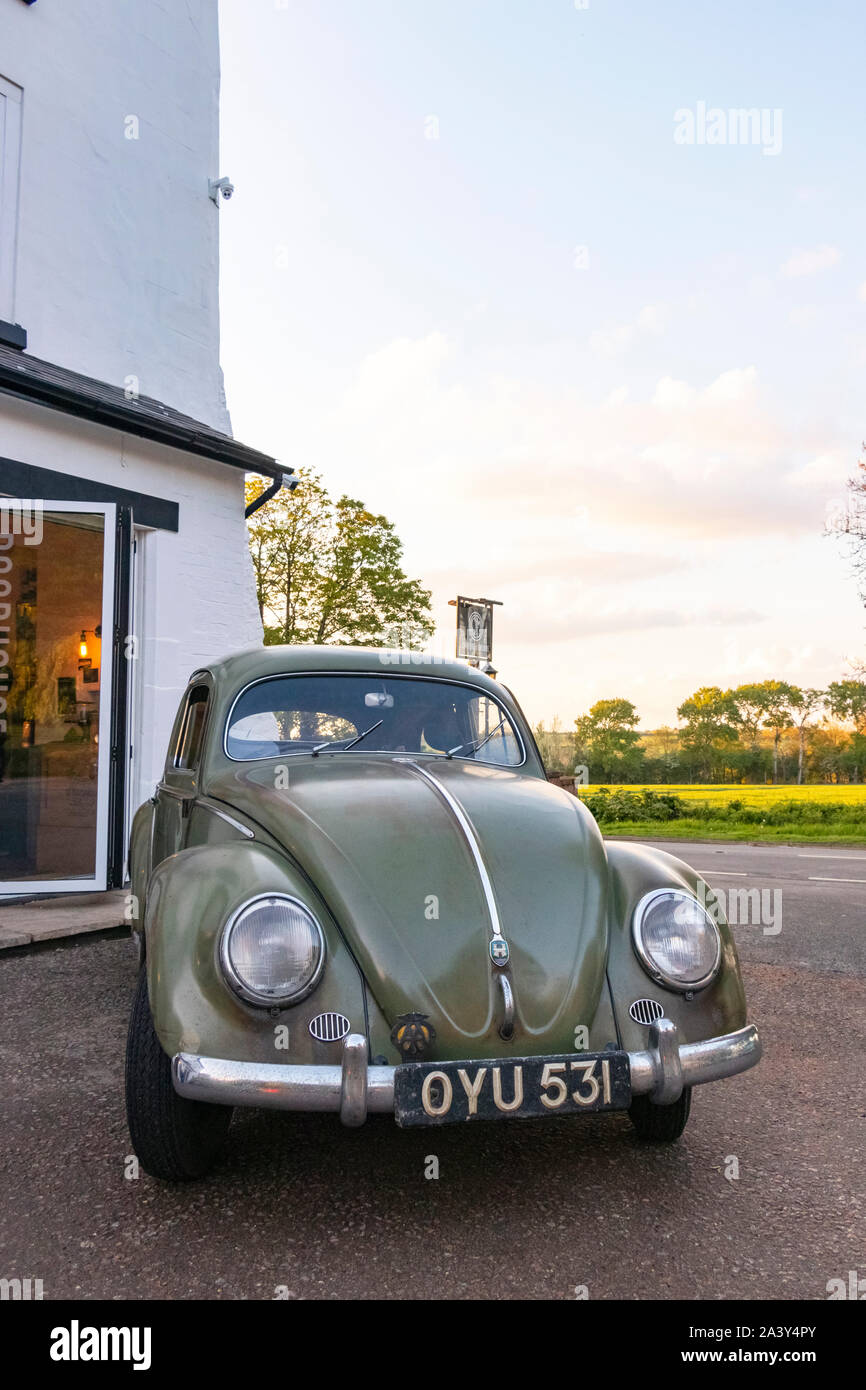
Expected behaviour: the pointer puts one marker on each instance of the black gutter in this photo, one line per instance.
(283, 479)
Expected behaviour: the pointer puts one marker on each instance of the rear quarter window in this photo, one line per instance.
(192, 725)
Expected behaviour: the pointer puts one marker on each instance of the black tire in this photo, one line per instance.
(660, 1124)
(174, 1139)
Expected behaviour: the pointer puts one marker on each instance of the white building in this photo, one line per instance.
(112, 415)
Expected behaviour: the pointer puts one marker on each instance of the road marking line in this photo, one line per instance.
(814, 878)
(849, 858)
(723, 873)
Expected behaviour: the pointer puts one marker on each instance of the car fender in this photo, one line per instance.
(190, 897)
(140, 865)
(718, 1008)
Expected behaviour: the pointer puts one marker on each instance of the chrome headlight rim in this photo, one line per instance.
(651, 965)
(239, 986)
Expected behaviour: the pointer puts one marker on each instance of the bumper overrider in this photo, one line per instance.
(356, 1089)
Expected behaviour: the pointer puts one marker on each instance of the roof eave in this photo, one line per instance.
(56, 396)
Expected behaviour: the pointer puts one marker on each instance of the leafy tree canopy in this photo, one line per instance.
(847, 700)
(331, 572)
(608, 738)
(711, 718)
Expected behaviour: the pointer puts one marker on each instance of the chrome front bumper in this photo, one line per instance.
(355, 1089)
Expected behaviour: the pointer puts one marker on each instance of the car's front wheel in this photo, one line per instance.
(660, 1123)
(174, 1138)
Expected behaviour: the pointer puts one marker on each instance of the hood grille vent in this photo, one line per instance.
(329, 1027)
(646, 1010)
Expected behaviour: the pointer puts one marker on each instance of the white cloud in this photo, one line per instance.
(738, 384)
(803, 315)
(618, 396)
(471, 462)
(610, 342)
(403, 365)
(628, 535)
(674, 395)
(810, 262)
(542, 626)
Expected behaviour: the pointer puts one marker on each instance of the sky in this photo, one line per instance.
(514, 273)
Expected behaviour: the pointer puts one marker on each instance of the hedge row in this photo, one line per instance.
(609, 806)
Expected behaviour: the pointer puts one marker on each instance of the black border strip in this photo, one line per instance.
(119, 699)
(27, 480)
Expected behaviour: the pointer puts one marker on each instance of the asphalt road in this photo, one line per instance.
(519, 1210)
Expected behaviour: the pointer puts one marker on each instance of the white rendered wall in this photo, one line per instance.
(117, 264)
(197, 592)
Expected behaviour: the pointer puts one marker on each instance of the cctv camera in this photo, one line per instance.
(222, 186)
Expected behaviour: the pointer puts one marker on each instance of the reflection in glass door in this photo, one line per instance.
(56, 601)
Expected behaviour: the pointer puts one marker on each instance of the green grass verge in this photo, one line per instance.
(794, 833)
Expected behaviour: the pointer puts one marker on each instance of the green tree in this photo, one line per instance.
(661, 749)
(608, 741)
(804, 703)
(556, 747)
(711, 718)
(331, 572)
(828, 751)
(777, 714)
(764, 705)
(847, 700)
(751, 707)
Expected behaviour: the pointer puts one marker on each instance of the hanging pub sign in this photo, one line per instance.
(475, 629)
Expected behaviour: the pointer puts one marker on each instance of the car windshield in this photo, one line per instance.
(370, 714)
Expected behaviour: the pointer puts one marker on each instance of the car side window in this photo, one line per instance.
(492, 730)
(188, 749)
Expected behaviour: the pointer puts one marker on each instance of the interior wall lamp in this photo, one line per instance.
(82, 641)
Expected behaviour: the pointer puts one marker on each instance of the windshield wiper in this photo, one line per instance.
(333, 743)
(475, 744)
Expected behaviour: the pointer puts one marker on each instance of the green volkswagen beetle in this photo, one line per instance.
(355, 890)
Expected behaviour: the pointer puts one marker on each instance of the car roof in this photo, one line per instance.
(256, 663)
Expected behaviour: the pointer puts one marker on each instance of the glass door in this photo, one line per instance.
(57, 584)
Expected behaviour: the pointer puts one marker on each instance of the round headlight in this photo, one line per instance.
(272, 951)
(676, 939)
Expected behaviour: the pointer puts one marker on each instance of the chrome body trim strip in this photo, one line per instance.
(469, 836)
(209, 805)
(656, 1072)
